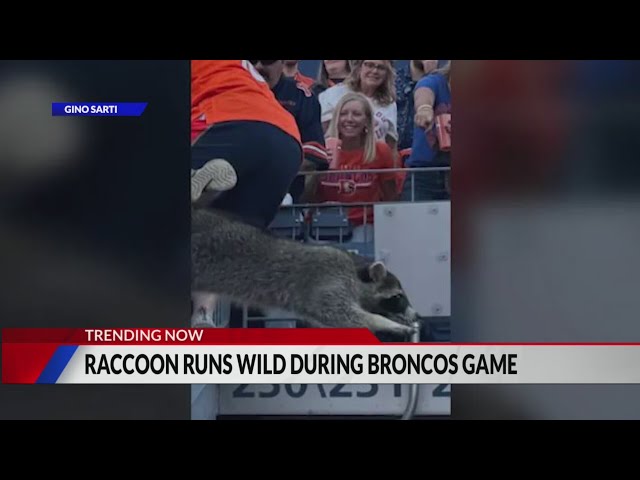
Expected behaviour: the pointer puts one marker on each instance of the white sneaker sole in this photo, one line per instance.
(217, 175)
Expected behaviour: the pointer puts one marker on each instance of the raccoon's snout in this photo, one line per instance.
(411, 314)
(406, 317)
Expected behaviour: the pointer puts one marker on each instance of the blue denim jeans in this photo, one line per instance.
(426, 186)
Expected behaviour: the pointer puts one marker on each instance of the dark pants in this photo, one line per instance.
(427, 186)
(266, 160)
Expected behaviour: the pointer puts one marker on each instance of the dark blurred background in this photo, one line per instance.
(94, 219)
(546, 222)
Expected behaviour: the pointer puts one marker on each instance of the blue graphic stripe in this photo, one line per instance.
(98, 109)
(57, 364)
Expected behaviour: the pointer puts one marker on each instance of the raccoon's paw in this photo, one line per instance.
(400, 330)
(400, 333)
(411, 334)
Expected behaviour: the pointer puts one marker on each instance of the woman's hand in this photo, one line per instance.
(329, 156)
(424, 99)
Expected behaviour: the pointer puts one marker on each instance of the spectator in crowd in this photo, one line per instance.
(291, 70)
(406, 79)
(297, 99)
(432, 98)
(375, 79)
(352, 124)
(332, 72)
(243, 144)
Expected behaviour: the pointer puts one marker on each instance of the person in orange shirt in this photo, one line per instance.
(352, 124)
(245, 149)
(243, 142)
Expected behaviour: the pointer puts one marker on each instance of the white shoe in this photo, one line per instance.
(216, 175)
(287, 200)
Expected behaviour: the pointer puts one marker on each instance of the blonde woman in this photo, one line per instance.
(375, 79)
(352, 124)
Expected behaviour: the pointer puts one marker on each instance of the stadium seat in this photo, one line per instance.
(288, 223)
(330, 223)
(436, 329)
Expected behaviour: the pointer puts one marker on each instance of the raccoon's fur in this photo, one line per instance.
(323, 285)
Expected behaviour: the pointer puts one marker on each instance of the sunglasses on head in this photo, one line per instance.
(264, 62)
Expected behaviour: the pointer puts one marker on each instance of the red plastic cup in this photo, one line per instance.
(443, 126)
(333, 145)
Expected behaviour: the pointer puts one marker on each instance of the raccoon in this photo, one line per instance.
(322, 285)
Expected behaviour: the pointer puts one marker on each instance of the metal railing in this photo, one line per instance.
(411, 172)
(414, 388)
(303, 214)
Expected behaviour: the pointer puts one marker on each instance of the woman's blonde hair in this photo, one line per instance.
(386, 93)
(368, 138)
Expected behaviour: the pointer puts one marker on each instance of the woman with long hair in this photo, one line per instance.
(352, 125)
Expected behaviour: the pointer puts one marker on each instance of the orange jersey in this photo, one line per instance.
(229, 90)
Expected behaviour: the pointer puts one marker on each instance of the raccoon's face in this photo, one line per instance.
(382, 293)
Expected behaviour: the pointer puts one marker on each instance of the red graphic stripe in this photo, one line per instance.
(24, 362)
(188, 336)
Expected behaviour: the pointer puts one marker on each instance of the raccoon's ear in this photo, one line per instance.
(377, 271)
